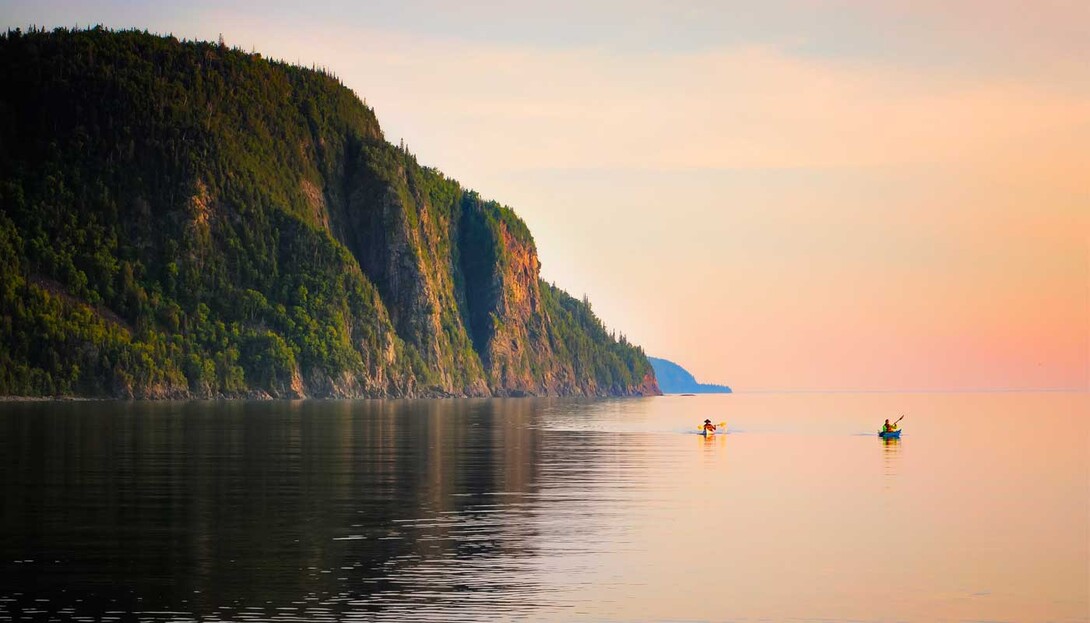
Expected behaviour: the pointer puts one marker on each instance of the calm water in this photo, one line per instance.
(549, 509)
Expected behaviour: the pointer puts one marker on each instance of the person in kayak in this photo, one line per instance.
(889, 428)
(708, 426)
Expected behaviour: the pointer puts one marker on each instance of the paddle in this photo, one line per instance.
(893, 427)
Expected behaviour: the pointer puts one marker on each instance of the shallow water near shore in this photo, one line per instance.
(549, 509)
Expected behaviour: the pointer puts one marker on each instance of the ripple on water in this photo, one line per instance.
(536, 510)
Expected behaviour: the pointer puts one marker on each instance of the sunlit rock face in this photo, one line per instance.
(188, 220)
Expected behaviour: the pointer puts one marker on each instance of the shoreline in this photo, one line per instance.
(37, 399)
(52, 399)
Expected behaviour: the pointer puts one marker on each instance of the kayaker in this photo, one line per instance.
(708, 426)
(888, 428)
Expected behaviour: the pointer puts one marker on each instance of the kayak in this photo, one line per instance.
(707, 433)
(893, 434)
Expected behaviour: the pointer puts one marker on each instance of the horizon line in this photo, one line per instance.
(1029, 390)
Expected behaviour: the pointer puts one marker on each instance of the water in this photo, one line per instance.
(549, 510)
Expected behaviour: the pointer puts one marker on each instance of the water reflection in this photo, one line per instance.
(545, 510)
(891, 451)
(713, 443)
(213, 508)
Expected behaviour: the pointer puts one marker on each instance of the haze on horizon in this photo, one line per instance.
(796, 195)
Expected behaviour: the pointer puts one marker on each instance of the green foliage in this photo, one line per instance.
(183, 219)
(160, 186)
(578, 336)
(497, 215)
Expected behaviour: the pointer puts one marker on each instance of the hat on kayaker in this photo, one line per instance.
(707, 421)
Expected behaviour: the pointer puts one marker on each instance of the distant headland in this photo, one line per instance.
(673, 379)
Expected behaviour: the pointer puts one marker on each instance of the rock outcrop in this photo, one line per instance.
(211, 223)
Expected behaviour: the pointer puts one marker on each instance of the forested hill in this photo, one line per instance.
(183, 219)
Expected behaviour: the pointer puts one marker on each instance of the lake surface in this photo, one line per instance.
(550, 510)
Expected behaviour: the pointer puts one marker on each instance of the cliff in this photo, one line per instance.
(673, 379)
(181, 219)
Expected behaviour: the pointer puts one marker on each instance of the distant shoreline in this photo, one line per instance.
(1032, 390)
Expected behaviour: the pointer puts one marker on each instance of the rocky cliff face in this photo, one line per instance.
(512, 328)
(213, 224)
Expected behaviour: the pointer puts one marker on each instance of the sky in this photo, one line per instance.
(783, 195)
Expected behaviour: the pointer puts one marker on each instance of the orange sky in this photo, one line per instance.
(796, 195)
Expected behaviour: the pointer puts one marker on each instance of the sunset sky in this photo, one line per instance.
(789, 194)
